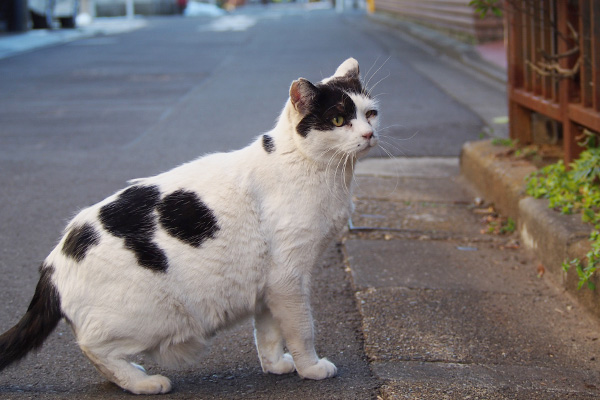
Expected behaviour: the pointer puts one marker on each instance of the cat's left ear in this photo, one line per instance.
(302, 94)
(348, 69)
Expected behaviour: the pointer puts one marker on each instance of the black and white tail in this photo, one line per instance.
(39, 321)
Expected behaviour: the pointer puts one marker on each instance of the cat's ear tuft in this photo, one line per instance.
(302, 94)
(348, 69)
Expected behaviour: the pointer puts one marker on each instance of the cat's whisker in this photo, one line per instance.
(379, 81)
(369, 90)
(372, 65)
(343, 175)
(383, 141)
(345, 185)
(396, 148)
(397, 168)
(379, 94)
(402, 138)
(355, 160)
(337, 167)
(331, 187)
(327, 150)
(394, 145)
(390, 127)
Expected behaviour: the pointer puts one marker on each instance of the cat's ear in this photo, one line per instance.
(302, 94)
(348, 69)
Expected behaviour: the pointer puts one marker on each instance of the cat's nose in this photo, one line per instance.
(368, 135)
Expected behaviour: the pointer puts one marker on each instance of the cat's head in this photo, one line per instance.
(335, 117)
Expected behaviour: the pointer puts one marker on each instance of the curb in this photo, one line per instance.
(450, 47)
(553, 237)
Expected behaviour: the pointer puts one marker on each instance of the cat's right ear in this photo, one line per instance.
(302, 94)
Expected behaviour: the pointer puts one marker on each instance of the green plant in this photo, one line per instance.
(509, 226)
(504, 142)
(483, 7)
(497, 225)
(574, 190)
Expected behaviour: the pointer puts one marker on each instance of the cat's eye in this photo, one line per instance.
(371, 113)
(338, 121)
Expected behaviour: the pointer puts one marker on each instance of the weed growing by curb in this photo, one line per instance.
(574, 190)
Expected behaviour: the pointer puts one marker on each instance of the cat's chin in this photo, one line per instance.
(362, 153)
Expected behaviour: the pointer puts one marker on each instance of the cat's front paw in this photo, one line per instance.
(321, 370)
(154, 384)
(285, 365)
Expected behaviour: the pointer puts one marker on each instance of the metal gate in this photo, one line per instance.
(554, 68)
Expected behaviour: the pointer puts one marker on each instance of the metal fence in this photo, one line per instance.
(554, 69)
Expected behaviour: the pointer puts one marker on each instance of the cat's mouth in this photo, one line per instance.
(368, 144)
(373, 141)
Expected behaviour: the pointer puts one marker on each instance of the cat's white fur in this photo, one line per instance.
(276, 212)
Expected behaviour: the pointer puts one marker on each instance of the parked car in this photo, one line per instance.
(45, 12)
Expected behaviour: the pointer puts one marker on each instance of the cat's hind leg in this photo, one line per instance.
(128, 376)
(269, 344)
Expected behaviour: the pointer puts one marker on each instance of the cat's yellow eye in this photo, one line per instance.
(371, 113)
(338, 121)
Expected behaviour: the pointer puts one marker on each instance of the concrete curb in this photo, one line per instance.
(554, 238)
(452, 48)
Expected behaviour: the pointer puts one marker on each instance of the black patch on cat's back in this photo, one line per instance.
(131, 213)
(268, 144)
(331, 100)
(131, 217)
(184, 216)
(79, 240)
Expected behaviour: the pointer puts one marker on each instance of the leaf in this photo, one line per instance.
(588, 215)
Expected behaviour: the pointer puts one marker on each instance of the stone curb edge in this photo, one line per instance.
(554, 238)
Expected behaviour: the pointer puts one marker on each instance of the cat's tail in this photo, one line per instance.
(39, 321)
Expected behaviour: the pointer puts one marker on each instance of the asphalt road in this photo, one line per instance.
(78, 120)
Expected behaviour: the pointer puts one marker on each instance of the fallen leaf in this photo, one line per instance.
(540, 271)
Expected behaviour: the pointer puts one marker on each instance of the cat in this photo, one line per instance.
(161, 266)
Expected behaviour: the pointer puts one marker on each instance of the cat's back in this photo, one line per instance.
(193, 229)
(190, 205)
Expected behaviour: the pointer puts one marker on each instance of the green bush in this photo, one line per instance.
(483, 7)
(574, 190)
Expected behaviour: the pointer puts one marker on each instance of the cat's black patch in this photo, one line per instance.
(148, 254)
(131, 214)
(42, 316)
(131, 217)
(268, 144)
(331, 100)
(350, 84)
(186, 217)
(79, 240)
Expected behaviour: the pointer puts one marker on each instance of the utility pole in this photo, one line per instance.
(129, 12)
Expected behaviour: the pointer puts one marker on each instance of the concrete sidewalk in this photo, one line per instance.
(449, 312)
(16, 43)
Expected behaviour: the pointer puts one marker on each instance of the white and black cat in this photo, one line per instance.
(163, 265)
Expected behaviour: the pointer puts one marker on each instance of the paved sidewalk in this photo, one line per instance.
(449, 312)
(16, 43)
